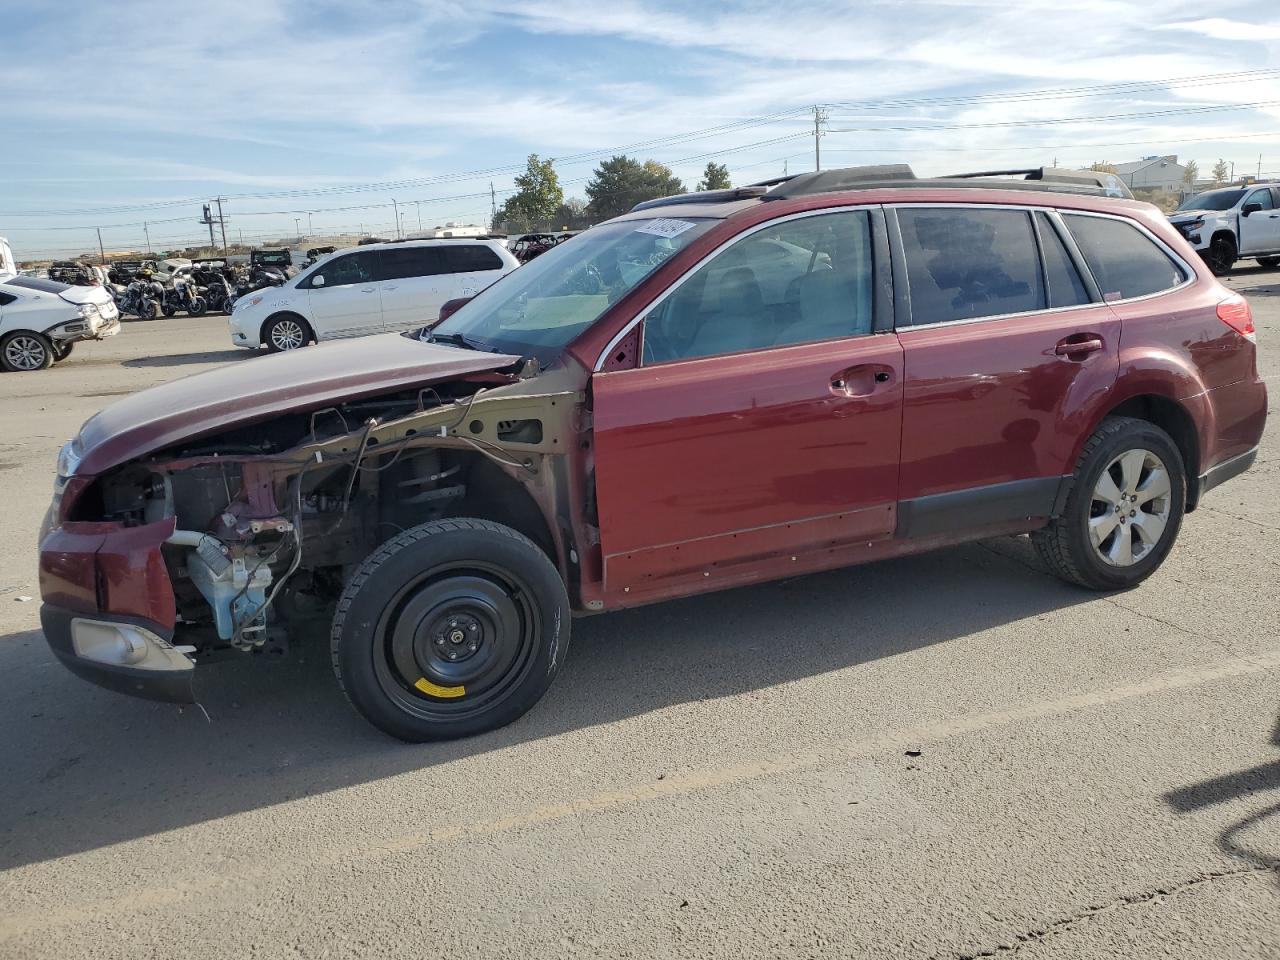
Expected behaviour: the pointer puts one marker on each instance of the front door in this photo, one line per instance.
(348, 302)
(764, 420)
(1260, 231)
(417, 283)
(1006, 343)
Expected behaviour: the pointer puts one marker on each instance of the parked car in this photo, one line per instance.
(1235, 223)
(41, 320)
(371, 289)
(634, 416)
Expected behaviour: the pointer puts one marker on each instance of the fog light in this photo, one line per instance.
(118, 643)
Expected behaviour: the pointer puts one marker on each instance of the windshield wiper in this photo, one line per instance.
(456, 339)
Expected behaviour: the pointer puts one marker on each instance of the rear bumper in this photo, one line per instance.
(125, 654)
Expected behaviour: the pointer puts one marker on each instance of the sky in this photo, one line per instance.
(128, 113)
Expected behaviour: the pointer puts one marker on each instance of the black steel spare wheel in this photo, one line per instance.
(450, 629)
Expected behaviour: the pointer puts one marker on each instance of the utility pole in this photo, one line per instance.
(395, 208)
(296, 226)
(102, 256)
(493, 206)
(1233, 171)
(418, 206)
(222, 223)
(1259, 166)
(207, 219)
(819, 118)
(310, 229)
(147, 234)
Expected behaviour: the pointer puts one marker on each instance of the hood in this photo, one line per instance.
(1182, 216)
(256, 388)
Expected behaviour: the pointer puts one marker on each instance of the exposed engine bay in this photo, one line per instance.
(272, 516)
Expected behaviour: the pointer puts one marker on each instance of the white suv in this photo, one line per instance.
(1232, 224)
(378, 288)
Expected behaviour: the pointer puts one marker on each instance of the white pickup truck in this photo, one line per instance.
(1234, 223)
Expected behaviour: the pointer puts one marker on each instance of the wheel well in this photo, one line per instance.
(262, 331)
(1224, 234)
(1171, 417)
(494, 495)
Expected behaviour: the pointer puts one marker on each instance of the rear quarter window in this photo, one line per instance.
(1124, 260)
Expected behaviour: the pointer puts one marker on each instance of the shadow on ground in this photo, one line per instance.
(185, 359)
(84, 768)
(1239, 838)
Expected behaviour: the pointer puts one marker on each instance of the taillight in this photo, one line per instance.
(1235, 313)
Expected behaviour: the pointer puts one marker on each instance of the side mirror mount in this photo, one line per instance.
(317, 280)
(1250, 208)
(450, 307)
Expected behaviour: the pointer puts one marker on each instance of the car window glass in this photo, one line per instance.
(402, 262)
(6, 298)
(797, 282)
(1260, 197)
(963, 263)
(1125, 261)
(471, 257)
(353, 268)
(1066, 288)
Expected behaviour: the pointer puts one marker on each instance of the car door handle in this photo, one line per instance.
(860, 381)
(368, 289)
(390, 288)
(1078, 347)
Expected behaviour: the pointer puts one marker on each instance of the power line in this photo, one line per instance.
(673, 139)
(994, 124)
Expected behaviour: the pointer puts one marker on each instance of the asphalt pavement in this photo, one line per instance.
(951, 755)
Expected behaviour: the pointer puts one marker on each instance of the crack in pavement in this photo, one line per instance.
(1063, 924)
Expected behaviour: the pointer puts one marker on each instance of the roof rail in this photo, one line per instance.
(1109, 183)
(705, 196)
(842, 178)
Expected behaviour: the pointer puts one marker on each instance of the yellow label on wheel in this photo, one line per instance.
(435, 690)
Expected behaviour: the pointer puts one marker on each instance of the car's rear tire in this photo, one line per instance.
(286, 331)
(1124, 510)
(1269, 263)
(450, 629)
(1221, 255)
(23, 351)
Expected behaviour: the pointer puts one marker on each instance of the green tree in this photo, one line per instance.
(1221, 170)
(571, 215)
(1191, 173)
(538, 198)
(715, 177)
(621, 182)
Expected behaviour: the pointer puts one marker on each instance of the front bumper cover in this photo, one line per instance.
(125, 654)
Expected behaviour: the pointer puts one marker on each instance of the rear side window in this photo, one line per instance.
(963, 264)
(1066, 289)
(399, 263)
(1124, 260)
(470, 257)
(6, 298)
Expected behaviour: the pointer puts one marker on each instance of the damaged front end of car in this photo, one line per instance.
(239, 539)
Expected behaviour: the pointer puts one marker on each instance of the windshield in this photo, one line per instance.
(1213, 200)
(538, 309)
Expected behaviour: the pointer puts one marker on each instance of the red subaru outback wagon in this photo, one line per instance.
(713, 390)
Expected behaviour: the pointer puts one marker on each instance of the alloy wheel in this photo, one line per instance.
(25, 353)
(287, 335)
(1130, 507)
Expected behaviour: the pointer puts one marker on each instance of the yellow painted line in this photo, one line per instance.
(435, 690)
(236, 881)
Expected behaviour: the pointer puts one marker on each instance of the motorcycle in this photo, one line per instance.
(139, 300)
(214, 288)
(258, 278)
(183, 296)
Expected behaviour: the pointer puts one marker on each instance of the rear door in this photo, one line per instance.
(1260, 231)
(1004, 341)
(416, 285)
(344, 297)
(763, 426)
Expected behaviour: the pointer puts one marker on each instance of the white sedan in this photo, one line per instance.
(40, 320)
(376, 288)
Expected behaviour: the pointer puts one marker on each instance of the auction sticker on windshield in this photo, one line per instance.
(665, 227)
